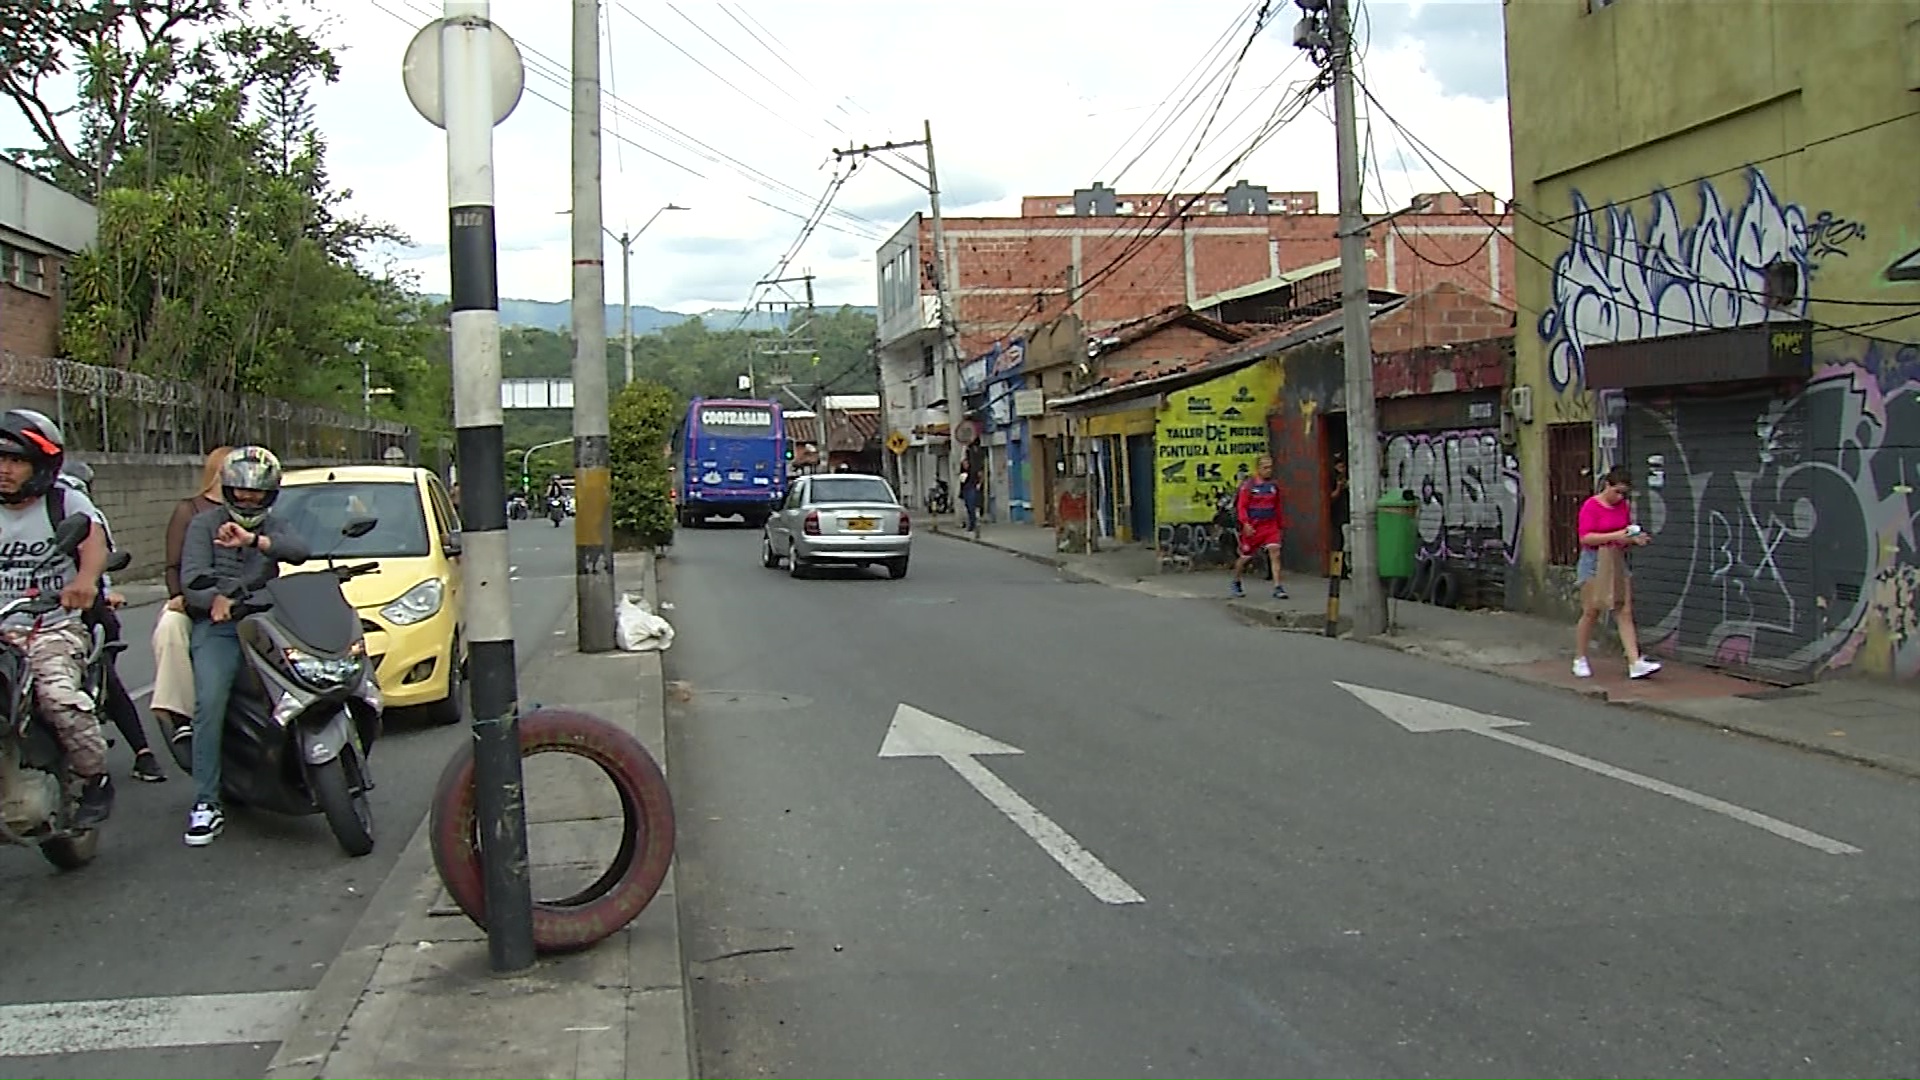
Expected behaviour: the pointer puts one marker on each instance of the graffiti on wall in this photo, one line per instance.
(1468, 488)
(1198, 543)
(1622, 283)
(1807, 558)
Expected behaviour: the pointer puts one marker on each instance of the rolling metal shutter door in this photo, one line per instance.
(1729, 579)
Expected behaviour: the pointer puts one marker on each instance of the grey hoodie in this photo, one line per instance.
(199, 555)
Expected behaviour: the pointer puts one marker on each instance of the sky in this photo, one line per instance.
(726, 108)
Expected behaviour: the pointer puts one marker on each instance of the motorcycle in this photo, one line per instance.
(939, 498)
(305, 709)
(517, 508)
(556, 512)
(38, 797)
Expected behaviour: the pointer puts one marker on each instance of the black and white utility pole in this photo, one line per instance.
(592, 460)
(949, 352)
(625, 240)
(1326, 32)
(453, 78)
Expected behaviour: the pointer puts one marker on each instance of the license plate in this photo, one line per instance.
(736, 476)
(861, 524)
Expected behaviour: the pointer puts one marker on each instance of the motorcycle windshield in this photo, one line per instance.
(314, 612)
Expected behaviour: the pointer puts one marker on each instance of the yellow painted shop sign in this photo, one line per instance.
(1206, 441)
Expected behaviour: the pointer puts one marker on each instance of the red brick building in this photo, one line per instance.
(41, 227)
(1108, 259)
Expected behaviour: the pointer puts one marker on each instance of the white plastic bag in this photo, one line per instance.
(638, 630)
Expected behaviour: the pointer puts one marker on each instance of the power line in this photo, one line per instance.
(1206, 60)
(1419, 146)
(704, 66)
(1220, 100)
(1420, 150)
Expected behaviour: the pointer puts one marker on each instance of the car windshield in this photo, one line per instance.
(850, 489)
(319, 511)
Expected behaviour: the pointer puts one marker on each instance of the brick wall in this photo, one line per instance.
(1168, 349)
(1014, 274)
(30, 321)
(1445, 314)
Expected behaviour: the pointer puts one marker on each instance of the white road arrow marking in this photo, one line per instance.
(1421, 715)
(917, 733)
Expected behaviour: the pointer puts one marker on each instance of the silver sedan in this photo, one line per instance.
(838, 519)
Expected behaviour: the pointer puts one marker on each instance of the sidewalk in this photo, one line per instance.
(1870, 722)
(412, 995)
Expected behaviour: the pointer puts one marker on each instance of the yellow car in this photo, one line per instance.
(410, 608)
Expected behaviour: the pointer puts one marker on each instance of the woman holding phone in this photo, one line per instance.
(1606, 531)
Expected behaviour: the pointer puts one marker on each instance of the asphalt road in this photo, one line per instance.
(263, 910)
(1323, 892)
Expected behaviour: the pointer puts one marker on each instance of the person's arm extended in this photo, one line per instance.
(196, 560)
(283, 543)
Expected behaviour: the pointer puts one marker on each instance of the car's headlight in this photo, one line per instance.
(418, 604)
(325, 671)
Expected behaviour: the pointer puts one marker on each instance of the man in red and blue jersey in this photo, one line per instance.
(1261, 517)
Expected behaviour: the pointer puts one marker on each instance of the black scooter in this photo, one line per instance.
(37, 794)
(939, 498)
(305, 709)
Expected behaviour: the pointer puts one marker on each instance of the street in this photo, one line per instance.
(1209, 857)
(259, 914)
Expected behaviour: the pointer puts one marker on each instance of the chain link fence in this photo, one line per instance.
(107, 410)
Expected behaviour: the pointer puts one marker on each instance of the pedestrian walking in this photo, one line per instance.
(1607, 531)
(1262, 520)
(970, 493)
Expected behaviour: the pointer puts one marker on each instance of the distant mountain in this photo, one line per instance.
(557, 315)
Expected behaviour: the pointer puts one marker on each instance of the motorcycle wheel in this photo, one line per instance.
(72, 852)
(348, 813)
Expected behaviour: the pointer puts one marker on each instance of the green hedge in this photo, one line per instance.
(641, 420)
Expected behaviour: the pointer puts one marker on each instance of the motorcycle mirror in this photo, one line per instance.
(72, 533)
(359, 527)
(118, 561)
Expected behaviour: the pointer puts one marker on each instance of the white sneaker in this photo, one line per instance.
(1582, 669)
(1642, 668)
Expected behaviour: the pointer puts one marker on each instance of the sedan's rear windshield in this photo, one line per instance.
(319, 511)
(850, 489)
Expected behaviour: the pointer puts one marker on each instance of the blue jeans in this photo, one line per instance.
(971, 498)
(216, 661)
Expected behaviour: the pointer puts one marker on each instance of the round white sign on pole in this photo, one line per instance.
(420, 72)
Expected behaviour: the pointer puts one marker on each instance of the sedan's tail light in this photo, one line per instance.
(906, 523)
(812, 525)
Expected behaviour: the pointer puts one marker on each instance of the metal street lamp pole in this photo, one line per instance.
(626, 284)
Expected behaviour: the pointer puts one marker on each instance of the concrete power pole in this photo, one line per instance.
(592, 463)
(1327, 32)
(470, 109)
(949, 353)
(626, 309)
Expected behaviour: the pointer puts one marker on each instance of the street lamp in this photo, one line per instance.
(626, 285)
(625, 240)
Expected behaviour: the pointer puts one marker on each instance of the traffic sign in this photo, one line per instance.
(967, 433)
(420, 71)
(897, 442)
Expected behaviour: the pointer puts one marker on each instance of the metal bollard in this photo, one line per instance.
(1337, 565)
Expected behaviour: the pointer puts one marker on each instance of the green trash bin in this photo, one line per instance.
(1397, 533)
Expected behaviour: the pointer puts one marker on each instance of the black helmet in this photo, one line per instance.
(250, 468)
(31, 435)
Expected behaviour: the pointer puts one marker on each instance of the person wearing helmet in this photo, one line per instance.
(32, 449)
(237, 540)
(78, 476)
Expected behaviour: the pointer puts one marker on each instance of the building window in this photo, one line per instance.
(26, 269)
(926, 360)
(1596, 5)
(1783, 284)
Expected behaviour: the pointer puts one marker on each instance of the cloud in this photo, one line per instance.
(1060, 103)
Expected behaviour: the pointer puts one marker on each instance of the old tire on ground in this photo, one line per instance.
(629, 882)
(348, 812)
(72, 852)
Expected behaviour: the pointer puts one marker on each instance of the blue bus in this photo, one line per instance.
(730, 456)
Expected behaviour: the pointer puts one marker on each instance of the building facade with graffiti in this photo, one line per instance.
(1719, 287)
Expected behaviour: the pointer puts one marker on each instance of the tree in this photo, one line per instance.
(225, 257)
(642, 418)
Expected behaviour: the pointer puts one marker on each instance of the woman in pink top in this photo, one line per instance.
(1606, 530)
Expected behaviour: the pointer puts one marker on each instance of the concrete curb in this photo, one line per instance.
(1316, 623)
(412, 884)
